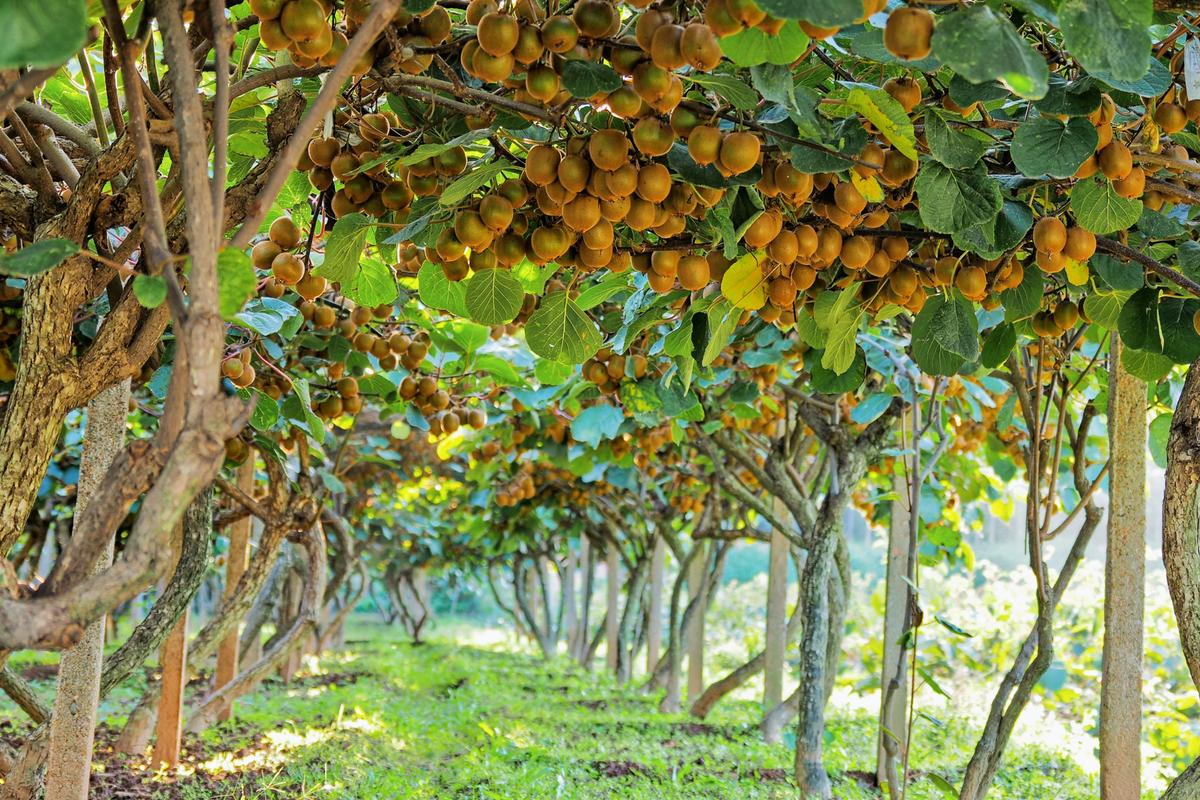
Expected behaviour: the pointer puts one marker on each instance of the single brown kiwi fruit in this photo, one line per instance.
(1050, 235)
(1115, 160)
(908, 33)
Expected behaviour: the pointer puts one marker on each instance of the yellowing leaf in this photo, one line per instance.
(887, 115)
(868, 187)
(744, 284)
(1077, 271)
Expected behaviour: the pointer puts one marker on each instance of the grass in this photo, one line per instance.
(469, 716)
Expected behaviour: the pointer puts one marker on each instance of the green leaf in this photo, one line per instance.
(870, 408)
(728, 88)
(587, 78)
(41, 34)
(1104, 308)
(842, 343)
(236, 280)
(866, 41)
(552, 373)
(494, 297)
(410, 230)
(37, 257)
(1108, 37)
(501, 370)
(1074, 99)
(1147, 366)
(993, 238)
(150, 290)
(367, 282)
(952, 200)
(430, 149)
(597, 293)
(956, 148)
(474, 178)
(1160, 431)
(998, 344)
(1045, 146)
(266, 315)
(559, 330)
(297, 408)
(943, 785)
(1024, 299)
(1160, 324)
(945, 335)
(596, 423)
(266, 411)
(887, 115)
(827, 381)
(722, 321)
(822, 13)
(1097, 207)
(437, 292)
(753, 46)
(981, 45)
(1122, 275)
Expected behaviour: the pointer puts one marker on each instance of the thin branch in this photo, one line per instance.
(1115, 248)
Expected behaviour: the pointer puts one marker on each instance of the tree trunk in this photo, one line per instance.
(654, 612)
(695, 631)
(1124, 585)
(670, 704)
(587, 557)
(73, 722)
(1181, 544)
(289, 611)
(236, 560)
(893, 679)
(626, 640)
(173, 665)
(775, 641)
(612, 619)
(568, 602)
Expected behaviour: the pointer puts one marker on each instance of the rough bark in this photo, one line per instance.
(236, 560)
(776, 638)
(74, 717)
(1124, 585)
(694, 632)
(893, 679)
(1181, 544)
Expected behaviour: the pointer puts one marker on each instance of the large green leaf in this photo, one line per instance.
(297, 408)
(366, 282)
(437, 292)
(841, 343)
(1160, 325)
(37, 257)
(236, 280)
(1097, 207)
(723, 318)
(727, 87)
(945, 335)
(474, 178)
(953, 147)
(753, 46)
(952, 200)
(887, 115)
(822, 13)
(1104, 308)
(1108, 37)
(597, 423)
(587, 78)
(1023, 300)
(1045, 146)
(41, 34)
(560, 331)
(982, 45)
(827, 381)
(494, 297)
(994, 237)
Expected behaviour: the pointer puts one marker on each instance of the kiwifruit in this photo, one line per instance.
(784, 247)
(573, 173)
(806, 241)
(651, 82)
(311, 286)
(266, 9)
(1170, 117)
(608, 149)
(287, 269)
(624, 102)
(1080, 244)
(496, 212)
(581, 213)
(302, 20)
(803, 277)
(1049, 235)
(653, 137)
(541, 164)
(600, 235)
(816, 32)
(1088, 168)
(693, 273)
(374, 127)
(595, 18)
(396, 196)
(478, 9)
(665, 262)
(739, 152)
(1115, 160)
(699, 47)
(897, 168)
(497, 33)
(1132, 185)
(1066, 314)
(542, 82)
(764, 229)
(284, 233)
(704, 144)
(665, 46)
(654, 183)
(857, 251)
(905, 90)
(232, 367)
(448, 246)
(343, 165)
(559, 34)
(903, 280)
(971, 281)
(263, 253)
(549, 242)
(747, 11)
(1050, 262)
(879, 264)
(271, 34)
(848, 198)
(322, 151)
(829, 246)
(316, 47)
(908, 33)
(719, 18)
(490, 68)
(684, 120)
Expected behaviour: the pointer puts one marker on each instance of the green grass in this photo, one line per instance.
(463, 717)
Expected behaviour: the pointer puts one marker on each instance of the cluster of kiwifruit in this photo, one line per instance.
(607, 369)
(303, 29)
(349, 162)
(287, 269)
(444, 412)
(520, 487)
(1055, 243)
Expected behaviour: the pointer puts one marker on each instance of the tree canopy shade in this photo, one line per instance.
(469, 284)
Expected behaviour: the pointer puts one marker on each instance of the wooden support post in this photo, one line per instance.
(613, 620)
(235, 564)
(695, 634)
(654, 623)
(293, 590)
(893, 678)
(1124, 585)
(168, 728)
(73, 722)
(569, 605)
(775, 643)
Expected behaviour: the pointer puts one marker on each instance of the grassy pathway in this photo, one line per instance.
(383, 719)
